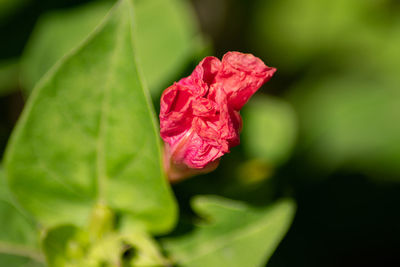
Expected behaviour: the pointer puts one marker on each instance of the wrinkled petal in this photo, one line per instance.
(202, 76)
(199, 115)
(199, 152)
(241, 76)
(175, 111)
(193, 150)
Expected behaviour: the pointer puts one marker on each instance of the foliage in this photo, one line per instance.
(231, 233)
(83, 164)
(94, 116)
(166, 39)
(82, 180)
(19, 242)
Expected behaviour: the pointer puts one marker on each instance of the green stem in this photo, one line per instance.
(101, 222)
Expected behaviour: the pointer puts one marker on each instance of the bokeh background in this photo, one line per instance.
(325, 130)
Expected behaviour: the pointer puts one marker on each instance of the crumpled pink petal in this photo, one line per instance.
(199, 115)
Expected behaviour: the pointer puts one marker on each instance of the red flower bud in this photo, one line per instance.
(199, 116)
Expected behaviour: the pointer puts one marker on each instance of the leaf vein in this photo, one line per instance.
(103, 125)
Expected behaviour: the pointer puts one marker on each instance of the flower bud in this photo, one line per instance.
(199, 115)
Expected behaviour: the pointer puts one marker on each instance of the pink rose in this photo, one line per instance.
(199, 116)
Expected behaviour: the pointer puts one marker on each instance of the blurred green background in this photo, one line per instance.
(325, 130)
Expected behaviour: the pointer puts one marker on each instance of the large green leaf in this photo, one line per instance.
(18, 235)
(19, 261)
(166, 39)
(233, 234)
(87, 136)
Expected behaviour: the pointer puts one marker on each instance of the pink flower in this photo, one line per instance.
(199, 116)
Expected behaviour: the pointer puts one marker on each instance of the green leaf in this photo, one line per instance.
(62, 244)
(233, 234)
(87, 136)
(167, 38)
(18, 235)
(19, 229)
(18, 261)
(270, 129)
(350, 122)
